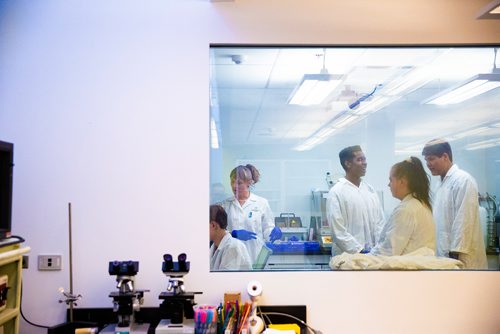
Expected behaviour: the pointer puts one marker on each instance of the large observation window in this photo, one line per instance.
(389, 100)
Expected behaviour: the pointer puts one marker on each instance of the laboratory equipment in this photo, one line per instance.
(127, 300)
(488, 202)
(291, 227)
(255, 323)
(69, 298)
(287, 219)
(177, 305)
(319, 220)
(329, 181)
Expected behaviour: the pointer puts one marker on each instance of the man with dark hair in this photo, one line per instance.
(353, 208)
(226, 252)
(455, 208)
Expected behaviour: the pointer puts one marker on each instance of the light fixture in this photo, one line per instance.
(339, 122)
(484, 129)
(314, 88)
(412, 81)
(477, 85)
(316, 139)
(469, 133)
(373, 105)
(483, 144)
(214, 137)
(409, 150)
(355, 112)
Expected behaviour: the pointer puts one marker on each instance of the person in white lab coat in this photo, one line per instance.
(456, 208)
(226, 252)
(353, 208)
(410, 225)
(250, 218)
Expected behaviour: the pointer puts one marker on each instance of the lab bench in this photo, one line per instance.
(295, 261)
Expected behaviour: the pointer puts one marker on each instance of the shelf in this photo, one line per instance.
(11, 258)
(7, 256)
(8, 314)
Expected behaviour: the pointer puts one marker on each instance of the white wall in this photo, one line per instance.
(107, 104)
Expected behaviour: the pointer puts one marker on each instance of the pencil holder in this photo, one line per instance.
(205, 319)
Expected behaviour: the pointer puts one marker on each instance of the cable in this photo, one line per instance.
(364, 97)
(263, 315)
(314, 331)
(21, 239)
(22, 314)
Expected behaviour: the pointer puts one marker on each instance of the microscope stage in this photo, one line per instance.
(134, 329)
(165, 327)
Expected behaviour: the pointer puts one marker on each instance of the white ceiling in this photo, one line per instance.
(251, 97)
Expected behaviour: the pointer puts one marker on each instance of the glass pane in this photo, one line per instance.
(391, 101)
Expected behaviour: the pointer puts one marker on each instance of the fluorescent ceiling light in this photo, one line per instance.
(411, 82)
(474, 86)
(341, 123)
(468, 133)
(310, 143)
(418, 76)
(471, 132)
(411, 149)
(483, 144)
(371, 106)
(214, 137)
(314, 88)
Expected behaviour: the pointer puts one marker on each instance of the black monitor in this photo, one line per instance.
(6, 170)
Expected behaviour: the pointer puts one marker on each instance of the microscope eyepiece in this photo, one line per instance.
(168, 263)
(129, 268)
(182, 262)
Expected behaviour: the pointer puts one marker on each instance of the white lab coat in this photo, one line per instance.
(254, 215)
(230, 255)
(456, 213)
(355, 216)
(409, 228)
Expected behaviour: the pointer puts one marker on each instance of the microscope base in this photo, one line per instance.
(165, 327)
(133, 329)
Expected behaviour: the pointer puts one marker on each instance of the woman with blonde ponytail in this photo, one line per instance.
(411, 225)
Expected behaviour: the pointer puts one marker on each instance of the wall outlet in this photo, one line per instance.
(49, 262)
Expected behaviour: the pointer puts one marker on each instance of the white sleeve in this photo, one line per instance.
(342, 238)
(396, 234)
(466, 215)
(235, 258)
(380, 222)
(267, 220)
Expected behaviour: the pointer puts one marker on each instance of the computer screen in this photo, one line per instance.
(6, 173)
(260, 262)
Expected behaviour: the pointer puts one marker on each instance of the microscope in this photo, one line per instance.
(177, 305)
(127, 300)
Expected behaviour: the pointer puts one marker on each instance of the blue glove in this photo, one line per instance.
(243, 235)
(365, 251)
(275, 234)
